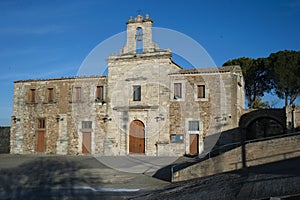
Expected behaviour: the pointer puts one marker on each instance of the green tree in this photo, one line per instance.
(258, 103)
(285, 74)
(256, 77)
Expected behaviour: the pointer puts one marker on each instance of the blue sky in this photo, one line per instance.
(48, 39)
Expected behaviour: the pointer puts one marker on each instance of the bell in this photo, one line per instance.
(139, 37)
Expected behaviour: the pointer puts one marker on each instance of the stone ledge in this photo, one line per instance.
(137, 107)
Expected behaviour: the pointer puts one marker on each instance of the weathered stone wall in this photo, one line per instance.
(132, 26)
(162, 115)
(293, 114)
(87, 110)
(4, 139)
(219, 111)
(150, 71)
(62, 115)
(256, 153)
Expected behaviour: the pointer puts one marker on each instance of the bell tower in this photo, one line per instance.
(137, 81)
(139, 36)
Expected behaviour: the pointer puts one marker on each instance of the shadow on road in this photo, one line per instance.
(277, 179)
(41, 176)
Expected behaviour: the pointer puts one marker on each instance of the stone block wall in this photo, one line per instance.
(219, 111)
(62, 115)
(133, 25)
(293, 113)
(161, 114)
(154, 71)
(150, 71)
(256, 154)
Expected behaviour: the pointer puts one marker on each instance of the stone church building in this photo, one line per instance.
(147, 104)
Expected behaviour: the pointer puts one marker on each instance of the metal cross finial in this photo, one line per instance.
(139, 11)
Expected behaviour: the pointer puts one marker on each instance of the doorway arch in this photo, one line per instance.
(137, 137)
(263, 127)
(258, 123)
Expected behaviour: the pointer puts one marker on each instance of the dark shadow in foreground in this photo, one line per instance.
(42, 177)
(277, 179)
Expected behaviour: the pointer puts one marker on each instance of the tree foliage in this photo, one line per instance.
(280, 72)
(258, 103)
(256, 78)
(285, 74)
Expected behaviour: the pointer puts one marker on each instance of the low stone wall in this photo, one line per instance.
(256, 153)
(4, 139)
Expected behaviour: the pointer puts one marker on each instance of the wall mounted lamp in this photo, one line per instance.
(106, 118)
(159, 118)
(15, 119)
(59, 118)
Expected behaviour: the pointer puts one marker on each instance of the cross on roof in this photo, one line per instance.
(139, 11)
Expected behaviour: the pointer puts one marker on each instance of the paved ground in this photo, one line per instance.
(137, 163)
(35, 177)
(84, 177)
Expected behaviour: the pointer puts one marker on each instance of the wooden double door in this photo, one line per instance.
(137, 137)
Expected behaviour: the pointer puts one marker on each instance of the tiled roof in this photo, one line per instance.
(223, 69)
(60, 79)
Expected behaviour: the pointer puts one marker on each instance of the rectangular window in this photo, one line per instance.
(41, 123)
(177, 90)
(86, 125)
(99, 93)
(50, 94)
(194, 126)
(136, 93)
(201, 91)
(177, 138)
(32, 96)
(77, 93)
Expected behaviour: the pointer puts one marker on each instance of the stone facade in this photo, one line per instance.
(62, 115)
(149, 105)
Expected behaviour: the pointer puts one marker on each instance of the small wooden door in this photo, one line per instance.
(86, 142)
(194, 144)
(137, 137)
(40, 146)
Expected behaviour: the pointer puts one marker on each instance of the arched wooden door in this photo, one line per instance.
(137, 137)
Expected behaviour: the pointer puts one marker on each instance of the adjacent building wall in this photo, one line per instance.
(256, 154)
(293, 118)
(4, 139)
(63, 115)
(219, 111)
